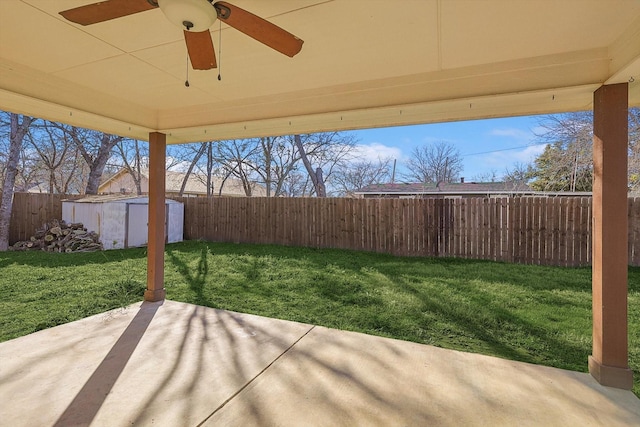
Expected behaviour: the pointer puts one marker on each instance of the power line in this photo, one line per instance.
(504, 149)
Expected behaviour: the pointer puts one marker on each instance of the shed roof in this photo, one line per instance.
(114, 198)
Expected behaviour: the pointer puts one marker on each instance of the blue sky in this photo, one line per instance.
(485, 145)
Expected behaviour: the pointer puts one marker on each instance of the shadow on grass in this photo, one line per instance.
(195, 277)
(491, 325)
(481, 324)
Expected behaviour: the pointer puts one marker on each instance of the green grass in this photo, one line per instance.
(534, 314)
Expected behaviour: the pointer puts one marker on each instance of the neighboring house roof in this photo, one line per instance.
(39, 188)
(173, 182)
(448, 188)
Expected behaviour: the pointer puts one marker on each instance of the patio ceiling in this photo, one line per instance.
(363, 64)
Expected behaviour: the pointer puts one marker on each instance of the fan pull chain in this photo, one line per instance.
(220, 50)
(186, 82)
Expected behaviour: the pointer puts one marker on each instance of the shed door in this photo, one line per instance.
(138, 223)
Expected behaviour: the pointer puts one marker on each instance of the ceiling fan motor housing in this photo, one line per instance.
(193, 15)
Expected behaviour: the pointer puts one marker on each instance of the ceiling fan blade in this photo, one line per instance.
(107, 10)
(200, 48)
(263, 31)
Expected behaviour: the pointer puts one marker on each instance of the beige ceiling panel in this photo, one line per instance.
(335, 50)
(542, 73)
(347, 40)
(328, 57)
(44, 43)
(30, 83)
(481, 32)
(136, 32)
(529, 103)
(276, 10)
(171, 58)
(130, 78)
(238, 60)
(243, 73)
(129, 33)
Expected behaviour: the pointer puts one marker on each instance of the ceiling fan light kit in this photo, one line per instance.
(193, 15)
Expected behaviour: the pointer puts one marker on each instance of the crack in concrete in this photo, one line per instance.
(223, 404)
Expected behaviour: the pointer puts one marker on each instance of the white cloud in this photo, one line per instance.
(530, 153)
(506, 159)
(376, 151)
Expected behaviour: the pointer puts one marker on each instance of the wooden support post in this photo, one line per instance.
(155, 249)
(609, 361)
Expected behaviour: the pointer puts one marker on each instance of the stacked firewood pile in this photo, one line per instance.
(58, 236)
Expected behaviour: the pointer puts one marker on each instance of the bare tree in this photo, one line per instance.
(134, 158)
(519, 173)
(235, 158)
(434, 163)
(18, 130)
(274, 162)
(322, 154)
(209, 171)
(355, 175)
(567, 161)
(490, 176)
(95, 148)
(315, 175)
(27, 174)
(58, 158)
(197, 154)
(297, 184)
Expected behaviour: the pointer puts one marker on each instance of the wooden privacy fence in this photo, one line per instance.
(531, 230)
(32, 210)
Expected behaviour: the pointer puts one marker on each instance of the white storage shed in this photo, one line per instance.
(122, 221)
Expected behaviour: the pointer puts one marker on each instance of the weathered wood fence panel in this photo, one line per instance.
(31, 211)
(531, 230)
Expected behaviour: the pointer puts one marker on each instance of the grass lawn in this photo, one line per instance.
(534, 314)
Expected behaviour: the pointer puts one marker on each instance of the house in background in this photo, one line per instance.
(122, 183)
(449, 190)
(39, 187)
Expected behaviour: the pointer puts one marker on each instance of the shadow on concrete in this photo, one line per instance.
(219, 356)
(182, 364)
(84, 407)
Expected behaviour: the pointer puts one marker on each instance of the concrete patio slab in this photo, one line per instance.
(343, 378)
(175, 364)
(168, 364)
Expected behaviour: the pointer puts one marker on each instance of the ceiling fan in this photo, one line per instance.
(195, 17)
